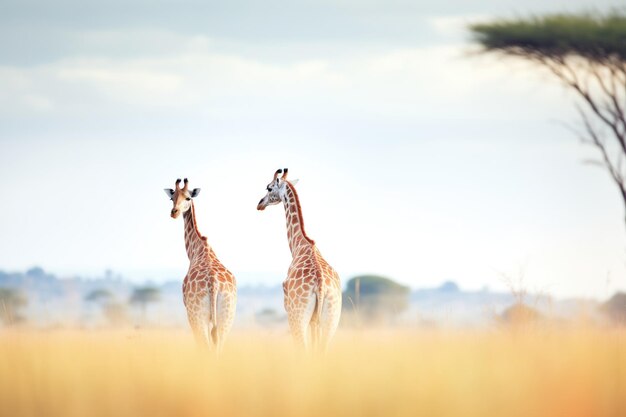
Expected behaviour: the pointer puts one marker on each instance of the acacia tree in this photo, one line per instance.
(143, 296)
(99, 295)
(375, 297)
(11, 301)
(586, 52)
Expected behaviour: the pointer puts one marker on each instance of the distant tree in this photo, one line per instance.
(36, 272)
(116, 313)
(103, 298)
(11, 301)
(587, 53)
(449, 287)
(143, 296)
(375, 297)
(615, 308)
(99, 295)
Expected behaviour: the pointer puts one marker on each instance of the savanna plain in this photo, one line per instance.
(498, 372)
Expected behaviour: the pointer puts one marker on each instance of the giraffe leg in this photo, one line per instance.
(298, 331)
(331, 313)
(315, 326)
(314, 329)
(198, 317)
(299, 312)
(225, 318)
(200, 329)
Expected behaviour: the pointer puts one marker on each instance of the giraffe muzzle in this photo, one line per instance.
(260, 206)
(174, 213)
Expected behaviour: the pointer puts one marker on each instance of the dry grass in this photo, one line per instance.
(134, 373)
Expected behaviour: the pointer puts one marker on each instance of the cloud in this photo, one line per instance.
(202, 74)
(120, 81)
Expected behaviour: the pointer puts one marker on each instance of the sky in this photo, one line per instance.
(418, 158)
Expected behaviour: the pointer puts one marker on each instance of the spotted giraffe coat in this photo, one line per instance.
(312, 289)
(209, 289)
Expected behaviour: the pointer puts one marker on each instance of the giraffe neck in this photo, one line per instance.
(295, 224)
(195, 243)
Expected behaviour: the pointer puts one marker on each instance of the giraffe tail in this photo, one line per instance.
(318, 313)
(213, 320)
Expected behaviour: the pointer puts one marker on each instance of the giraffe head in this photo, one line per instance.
(181, 197)
(276, 190)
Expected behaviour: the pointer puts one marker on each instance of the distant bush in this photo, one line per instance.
(615, 308)
(375, 297)
(11, 301)
(449, 287)
(519, 314)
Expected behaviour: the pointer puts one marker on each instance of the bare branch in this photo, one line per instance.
(598, 112)
(620, 165)
(613, 106)
(600, 145)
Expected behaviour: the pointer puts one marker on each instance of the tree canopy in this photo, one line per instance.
(375, 296)
(145, 295)
(142, 296)
(375, 285)
(98, 295)
(588, 35)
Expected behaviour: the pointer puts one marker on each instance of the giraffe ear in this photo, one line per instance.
(169, 192)
(294, 182)
(195, 192)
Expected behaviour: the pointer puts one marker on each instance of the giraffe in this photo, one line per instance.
(312, 288)
(209, 289)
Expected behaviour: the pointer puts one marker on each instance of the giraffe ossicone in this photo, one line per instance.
(312, 288)
(209, 289)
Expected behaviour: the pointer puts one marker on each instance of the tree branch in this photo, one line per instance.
(613, 107)
(612, 124)
(613, 170)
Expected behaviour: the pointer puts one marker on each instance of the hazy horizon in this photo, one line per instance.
(417, 160)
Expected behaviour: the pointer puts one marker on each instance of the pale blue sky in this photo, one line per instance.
(415, 159)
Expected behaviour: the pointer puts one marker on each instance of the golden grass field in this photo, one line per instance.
(366, 373)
